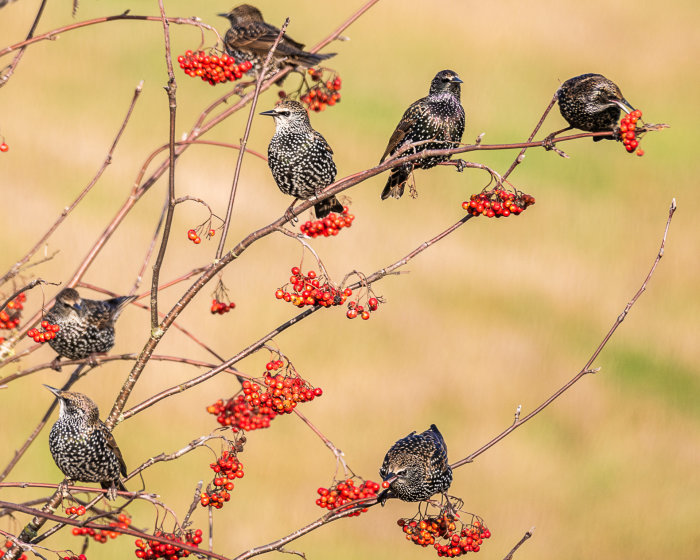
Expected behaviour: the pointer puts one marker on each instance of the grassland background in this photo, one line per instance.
(498, 314)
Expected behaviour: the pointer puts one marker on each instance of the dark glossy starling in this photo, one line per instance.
(416, 467)
(82, 446)
(438, 116)
(592, 103)
(300, 158)
(250, 38)
(87, 325)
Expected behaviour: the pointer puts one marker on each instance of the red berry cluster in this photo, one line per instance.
(283, 392)
(9, 317)
(356, 310)
(8, 545)
(74, 557)
(330, 225)
(220, 307)
(447, 534)
(171, 551)
(308, 290)
(103, 534)
(211, 68)
(193, 236)
(497, 203)
(227, 467)
(4, 147)
(241, 415)
(628, 131)
(324, 92)
(345, 491)
(75, 510)
(45, 335)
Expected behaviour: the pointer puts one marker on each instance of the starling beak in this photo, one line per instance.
(82, 446)
(592, 103)
(300, 159)
(416, 467)
(86, 325)
(250, 38)
(439, 117)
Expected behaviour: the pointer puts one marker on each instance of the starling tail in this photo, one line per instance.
(250, 38)
(592, 103)
(86, 325)
(300, 159)
(82, 446)
(439, 117)
(416, 467)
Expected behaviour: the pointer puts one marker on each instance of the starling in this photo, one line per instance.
(250, 39)
(300, 158)
(87, 325)
(439, 116)
(416, 467)
(592, 103)
(82, 446)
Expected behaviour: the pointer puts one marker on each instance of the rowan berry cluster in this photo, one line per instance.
(307, 289)
(324, 92)
(75, 510)
(628, 131)
(193, 234)
(222, 302)
(9, 544)
(356, 310)
(497, 203)
(212, 68)
(345, 491)
(172, 551)
(10, 316)
(48, 333)
(328, 226)
(74, 557)
(102, 535)
(241, 415)
(227, 467)
(446, 533)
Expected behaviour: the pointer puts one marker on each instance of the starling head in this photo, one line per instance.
(242, 14)
(75, 406)
(416, 467)
(446, 80)
(69, 298)
(289, 114)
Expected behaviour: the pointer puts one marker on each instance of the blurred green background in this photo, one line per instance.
(498, 314)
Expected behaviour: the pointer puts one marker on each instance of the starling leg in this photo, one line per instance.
(460, 164)
(289, 212)
(548, 143)
(56, 364)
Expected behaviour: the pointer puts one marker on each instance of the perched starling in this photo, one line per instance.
(250, 38)
(592, 103)
(416, 467)
(87, 325)
(300, 158)
(82, 446)
(438, 116)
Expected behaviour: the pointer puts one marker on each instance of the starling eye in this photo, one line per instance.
(284, 113)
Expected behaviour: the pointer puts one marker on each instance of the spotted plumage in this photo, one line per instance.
(300, 159)
(439, 116)
(416, 467)
(591, 102)
(250, 39)
(86, 325)
(82, 446)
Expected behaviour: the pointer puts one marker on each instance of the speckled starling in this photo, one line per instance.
(87, 325)
(416, 467)
(592, 103)
(300, 158)
(250, 38)
(438, 116)
(82, 446)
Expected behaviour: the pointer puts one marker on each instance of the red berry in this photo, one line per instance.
(4, 147)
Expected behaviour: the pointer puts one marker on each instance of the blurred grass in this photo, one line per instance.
(496, 315)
